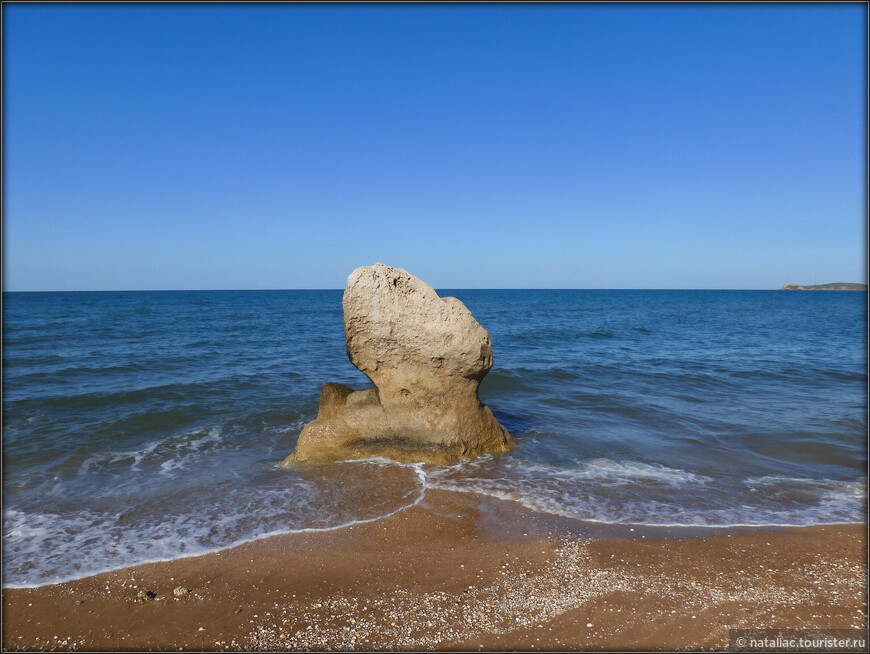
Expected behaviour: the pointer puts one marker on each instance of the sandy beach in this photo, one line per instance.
(460, 573)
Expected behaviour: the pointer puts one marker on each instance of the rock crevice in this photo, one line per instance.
(426, 357)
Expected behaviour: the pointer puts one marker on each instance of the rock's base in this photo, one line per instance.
(354, 425)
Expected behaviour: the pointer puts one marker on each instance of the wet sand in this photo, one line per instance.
(458, 572)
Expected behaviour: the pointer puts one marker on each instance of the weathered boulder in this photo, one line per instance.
(426, 356)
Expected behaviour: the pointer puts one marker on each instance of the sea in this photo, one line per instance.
(144, 426)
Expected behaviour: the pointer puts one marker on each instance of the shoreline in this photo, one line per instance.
(595, 529)
(460, 572)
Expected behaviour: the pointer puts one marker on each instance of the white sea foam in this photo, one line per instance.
(600, 471)
(169, 453)
(122, 554)
(856, 487)
(291, 427)
(606, 471)
(833, 509)
(605, 491)
(43, 548)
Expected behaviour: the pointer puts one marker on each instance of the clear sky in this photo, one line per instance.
(477, 146)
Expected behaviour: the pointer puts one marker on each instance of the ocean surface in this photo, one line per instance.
(140, 426)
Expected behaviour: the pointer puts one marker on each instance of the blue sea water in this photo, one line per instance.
(140, 426)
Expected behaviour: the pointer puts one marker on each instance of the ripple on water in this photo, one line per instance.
(142, 426)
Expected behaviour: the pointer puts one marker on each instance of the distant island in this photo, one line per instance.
(836, 286)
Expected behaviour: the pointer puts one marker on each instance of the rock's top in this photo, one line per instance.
(414, 345)
(426, 356)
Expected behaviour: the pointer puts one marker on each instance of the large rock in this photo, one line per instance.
(426, 356)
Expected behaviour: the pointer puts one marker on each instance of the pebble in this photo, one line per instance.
(145, 596)
(407, 620)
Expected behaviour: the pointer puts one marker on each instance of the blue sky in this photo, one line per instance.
(477, 146)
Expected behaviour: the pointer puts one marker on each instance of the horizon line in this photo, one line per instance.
(235, 290)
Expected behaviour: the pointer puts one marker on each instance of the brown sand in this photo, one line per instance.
(459, 573)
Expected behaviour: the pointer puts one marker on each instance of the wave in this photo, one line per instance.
(43, 548)
(505, 382)
(175, 391)
(615, 473)
(822, 488)
(657, 514)
(636, 493)
(50, 547)
(170, 453)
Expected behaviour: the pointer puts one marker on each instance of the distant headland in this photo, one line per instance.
(836, 286)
